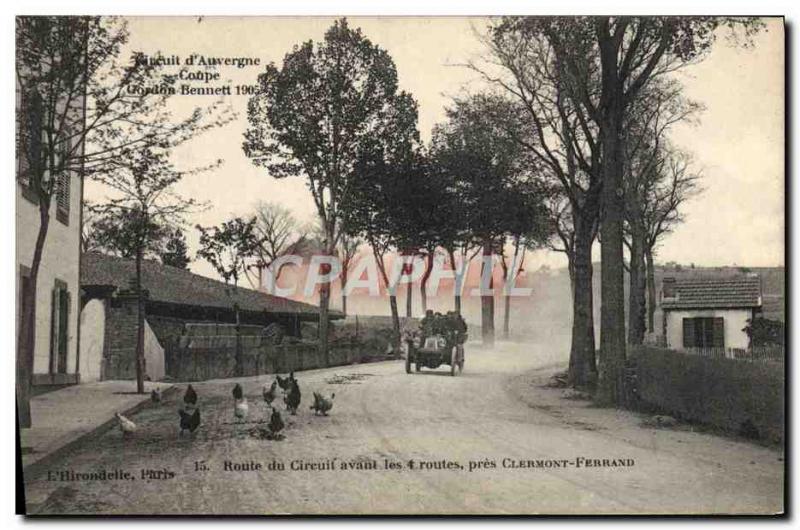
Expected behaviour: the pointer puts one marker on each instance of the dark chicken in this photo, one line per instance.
(190, 397)
(286, 382)
(270, 393)
(189, 422)
(275, 422)
(292, 399)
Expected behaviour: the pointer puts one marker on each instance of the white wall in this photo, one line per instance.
(153, 355)
(92, 328)
(60, 260)
(735, 321)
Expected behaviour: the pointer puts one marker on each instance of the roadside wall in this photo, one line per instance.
(120, 332)
(212, 354)
(734, 395)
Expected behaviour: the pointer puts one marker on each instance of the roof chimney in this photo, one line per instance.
(668, 287)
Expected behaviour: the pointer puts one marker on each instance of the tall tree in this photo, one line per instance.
(229, 246)
(523, 238)
(348, 255)
(77, 112)
(604, 64)
(175, 252)
(280, 234)
(143, 203)
(560, 135)
(312, 116)
(384, 189)
(451, 232)
(633, 51)
(112, 234)
(647, 150)
(674, 184)
(497, 182)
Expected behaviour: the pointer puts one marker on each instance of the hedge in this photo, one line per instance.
(737, 396)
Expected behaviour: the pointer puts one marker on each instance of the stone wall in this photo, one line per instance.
(119, 351)
(216, 358)
(197, 352)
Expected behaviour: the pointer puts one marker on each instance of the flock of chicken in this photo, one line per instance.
(189, 414)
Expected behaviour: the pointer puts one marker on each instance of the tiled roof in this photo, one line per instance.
(709, 293)
(178, 286)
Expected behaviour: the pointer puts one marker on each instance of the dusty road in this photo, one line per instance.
(523, 442)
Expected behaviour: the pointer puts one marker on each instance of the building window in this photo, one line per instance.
(31, 155)
(59, 326)
(62, 181)
(704, 332)
(29, 141)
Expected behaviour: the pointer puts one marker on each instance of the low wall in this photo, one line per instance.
(737, 396)
(120, 363)
(214, 356)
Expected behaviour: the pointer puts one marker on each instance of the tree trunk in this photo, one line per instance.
(409, 295)
(324, 303)
(140, 368)
(636, 289)
(395, 324)
(487, 301)
(423, 283)
(612, 306)
(506, 317)
(582, 364)
(651, 290)
(456, 286)
(571, 271)
(345, 268)
(506, 298)
(26, 339)
(239, 369)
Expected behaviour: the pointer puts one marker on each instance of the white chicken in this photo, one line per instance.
(240, 409)
(125, 425)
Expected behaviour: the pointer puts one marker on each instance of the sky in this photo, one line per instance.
(737, 142)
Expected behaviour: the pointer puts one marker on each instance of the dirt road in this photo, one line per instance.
(492, 440)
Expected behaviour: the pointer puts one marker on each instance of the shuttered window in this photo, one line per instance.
(704, 332)
(59, 323)
(62, 181)
(29, 141)
(688, 332)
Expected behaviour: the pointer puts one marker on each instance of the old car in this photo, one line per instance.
(441, 341)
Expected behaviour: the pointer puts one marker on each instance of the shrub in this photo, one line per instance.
(740, 397)
(765, 332)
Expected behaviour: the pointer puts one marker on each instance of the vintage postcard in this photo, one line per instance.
(408, 266)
